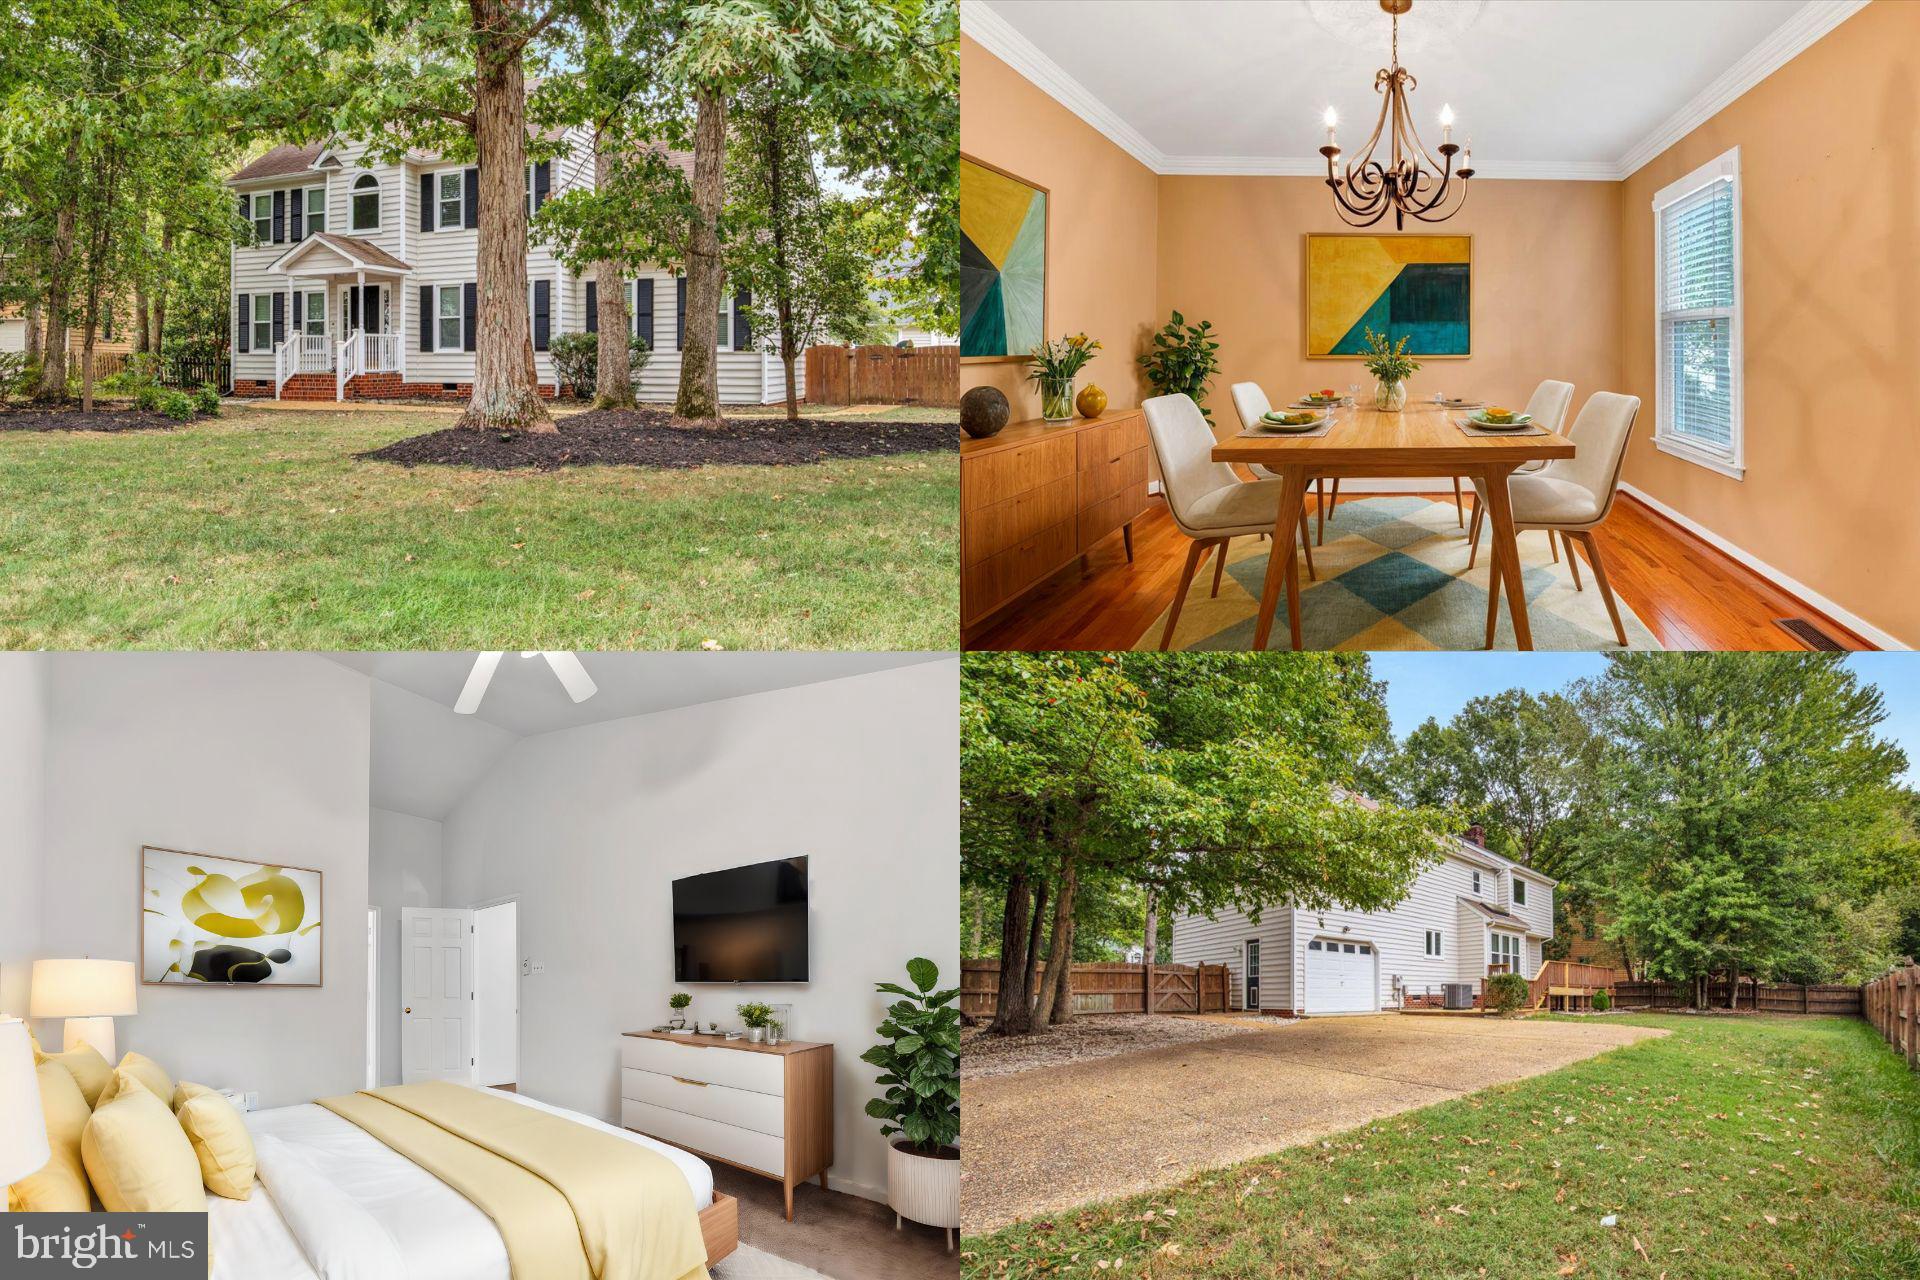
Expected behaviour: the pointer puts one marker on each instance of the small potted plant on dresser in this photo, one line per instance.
(678, 1002)
(756, 1016)
(919, 1061)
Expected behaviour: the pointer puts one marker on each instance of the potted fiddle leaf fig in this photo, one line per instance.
(919, 1061)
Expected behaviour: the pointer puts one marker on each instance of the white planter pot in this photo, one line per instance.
(923, 1188)
(756, 1034)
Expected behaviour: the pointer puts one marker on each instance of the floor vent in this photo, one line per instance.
(1809, 635)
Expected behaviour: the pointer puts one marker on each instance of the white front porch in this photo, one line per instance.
(346, 304)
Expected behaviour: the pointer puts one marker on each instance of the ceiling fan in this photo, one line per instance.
(573, 677)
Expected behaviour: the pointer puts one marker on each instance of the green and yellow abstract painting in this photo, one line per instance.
(223, 920)
(1003, 262)
(1413, 286)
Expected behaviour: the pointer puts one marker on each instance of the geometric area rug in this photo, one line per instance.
(1393, 574)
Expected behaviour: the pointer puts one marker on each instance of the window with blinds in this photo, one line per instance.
(1697, 295)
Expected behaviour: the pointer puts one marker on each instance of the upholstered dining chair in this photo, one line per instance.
(1570, 496)
(1209, 501)
(1548, 407)
(1250, 402)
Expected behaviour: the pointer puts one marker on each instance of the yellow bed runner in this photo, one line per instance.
(571, 1202)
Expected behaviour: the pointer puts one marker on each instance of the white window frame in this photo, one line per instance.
(354, 192)
(440, 222)
(1476, 884)
(262, 217)
(304, 194)
(1722, 168)
(1519, 892)
(723, 340)
(263, 321)
(529, 188)
(307, 319)
(1496, 950)
(1433, 942)
(459, 318)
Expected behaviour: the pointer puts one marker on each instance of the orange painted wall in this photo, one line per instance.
(1545, 285)
(1830, 212)
(1102, 217)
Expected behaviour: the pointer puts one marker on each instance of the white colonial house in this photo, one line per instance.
(360, 280)
(1471, 914)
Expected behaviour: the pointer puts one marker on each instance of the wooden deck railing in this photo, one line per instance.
(1556, 976)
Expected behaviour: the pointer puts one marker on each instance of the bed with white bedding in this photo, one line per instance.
(335, 1203)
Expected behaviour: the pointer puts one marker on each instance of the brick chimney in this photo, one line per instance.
(1477, 834)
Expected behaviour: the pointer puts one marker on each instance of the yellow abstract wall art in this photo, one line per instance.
(1419, 287)
(210, 921)
(1003, 263)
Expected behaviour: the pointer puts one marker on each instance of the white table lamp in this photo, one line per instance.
(89, 994)
(23, 1127)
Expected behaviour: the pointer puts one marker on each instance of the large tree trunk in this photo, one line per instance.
(613, 384)
(1059, 949)
(142, 322)
(979, 924)
(699, 399)
(1011, 1017)
(1062, 1008)
(86, 346)
(156, 343)
(53, 366)
(36, 331)
(505, 388)
(777, 200)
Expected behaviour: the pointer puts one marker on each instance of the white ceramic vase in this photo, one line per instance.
(924, 1188)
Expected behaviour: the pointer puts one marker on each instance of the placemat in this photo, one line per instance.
(1254, 433)
(1467, 428)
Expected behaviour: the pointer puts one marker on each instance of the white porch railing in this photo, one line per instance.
(379, 352)
(302, 353)
(346, 367)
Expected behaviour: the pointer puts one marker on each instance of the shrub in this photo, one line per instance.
(919, 1061)
(1602, 1002)
(13, 370)
(177, 405)
(1506, 992)
(150, 397)
(576, 356)
(207, 400)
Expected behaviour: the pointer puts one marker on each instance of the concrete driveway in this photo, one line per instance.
(1054, 1137)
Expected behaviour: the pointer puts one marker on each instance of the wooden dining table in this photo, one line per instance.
(1417, 441)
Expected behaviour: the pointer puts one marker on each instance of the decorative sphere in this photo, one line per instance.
(983, 411)
(1091, 402)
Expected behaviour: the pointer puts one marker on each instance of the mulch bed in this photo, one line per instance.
(649, 438)
(73, 420)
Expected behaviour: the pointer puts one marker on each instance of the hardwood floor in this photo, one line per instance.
(1690, 595)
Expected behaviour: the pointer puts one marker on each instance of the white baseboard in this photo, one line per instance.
(1846, 617)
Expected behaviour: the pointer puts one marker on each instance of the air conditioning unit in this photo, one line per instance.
(1459, 995)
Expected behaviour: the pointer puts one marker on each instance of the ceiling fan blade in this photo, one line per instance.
(477, 681)
(579, 684)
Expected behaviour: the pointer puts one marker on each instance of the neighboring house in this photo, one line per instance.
(1471, 914)
(361, 283)
(111, 340)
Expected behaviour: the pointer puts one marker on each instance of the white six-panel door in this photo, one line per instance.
(436, 994)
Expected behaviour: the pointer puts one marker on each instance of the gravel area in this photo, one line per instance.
(1088, 1038)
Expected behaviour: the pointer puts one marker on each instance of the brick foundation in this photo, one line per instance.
(366, 386)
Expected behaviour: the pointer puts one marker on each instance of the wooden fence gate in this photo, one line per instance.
(883, 375)
(1108, 988)
(1892, 1006)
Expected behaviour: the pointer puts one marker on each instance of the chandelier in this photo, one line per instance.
(1367, 188)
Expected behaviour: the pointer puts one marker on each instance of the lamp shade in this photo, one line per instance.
(82, 989)
(23, 1126)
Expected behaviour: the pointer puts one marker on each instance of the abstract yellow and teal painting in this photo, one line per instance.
(1003, 262)
(1417, 287)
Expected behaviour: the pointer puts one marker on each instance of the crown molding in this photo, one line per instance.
(1808, 24)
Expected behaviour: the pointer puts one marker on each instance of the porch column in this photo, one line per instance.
(404, 287)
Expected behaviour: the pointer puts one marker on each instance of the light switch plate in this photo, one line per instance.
(539, 966)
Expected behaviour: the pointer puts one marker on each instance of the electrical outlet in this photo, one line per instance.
(252, 1099)
(539, 966)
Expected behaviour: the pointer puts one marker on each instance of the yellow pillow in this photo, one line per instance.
(138, 1155)
(89, 1070)
(60, 1185)
(220, 1140)
(148, 1072)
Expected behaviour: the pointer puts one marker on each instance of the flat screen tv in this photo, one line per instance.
(747, 924)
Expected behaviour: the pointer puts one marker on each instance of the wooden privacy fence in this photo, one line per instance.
(1108, 988)
(1763, 997)
(883, 375)
(1892, 1005)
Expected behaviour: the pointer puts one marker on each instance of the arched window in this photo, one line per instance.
(366, 203)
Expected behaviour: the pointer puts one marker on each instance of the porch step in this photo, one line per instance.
(308, 386)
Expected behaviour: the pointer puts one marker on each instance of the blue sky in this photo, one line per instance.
(1420, 685)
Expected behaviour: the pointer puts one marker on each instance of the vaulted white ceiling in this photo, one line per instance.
(1545, 88)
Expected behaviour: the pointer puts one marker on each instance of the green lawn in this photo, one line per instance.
(1744, 1147)
(261, 530)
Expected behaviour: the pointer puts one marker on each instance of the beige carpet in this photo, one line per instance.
(749, 1263)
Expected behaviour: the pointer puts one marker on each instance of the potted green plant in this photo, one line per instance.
(1391, 366)
(756, 1016)
(1054, 364)
(678, 1002)
(919, 1061)
(776, 1031)
(1182, 360)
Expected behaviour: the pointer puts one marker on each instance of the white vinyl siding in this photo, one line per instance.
(1698, 318)
(1222, 940)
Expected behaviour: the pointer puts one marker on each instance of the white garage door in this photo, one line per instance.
(13, 335)
(1341, 977)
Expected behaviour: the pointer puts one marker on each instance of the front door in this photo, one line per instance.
(365, 307)
(436, 994)
(1253, 973)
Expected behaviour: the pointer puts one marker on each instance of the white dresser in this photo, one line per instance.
(766, 1109)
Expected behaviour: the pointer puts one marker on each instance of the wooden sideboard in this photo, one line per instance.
(1038, 494)
(764, 1108)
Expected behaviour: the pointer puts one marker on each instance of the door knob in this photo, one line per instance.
(406, 1010)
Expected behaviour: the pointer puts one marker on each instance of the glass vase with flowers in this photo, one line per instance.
(1053, 364)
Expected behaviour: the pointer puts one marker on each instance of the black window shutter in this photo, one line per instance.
(593, 307)
(299, 312)
(742, 332)
(470, 297)
(542, 182)
(353, 309)
(299, 215)
(246, 207)
(279, 216)
(246, 323)
(542, 313)
(680, 313)
(472, 201)
(279, 317)
(429, 317)
(643, 310)
(427, 194)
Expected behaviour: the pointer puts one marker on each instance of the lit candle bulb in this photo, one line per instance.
(1330, 119)
(1446, 123)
